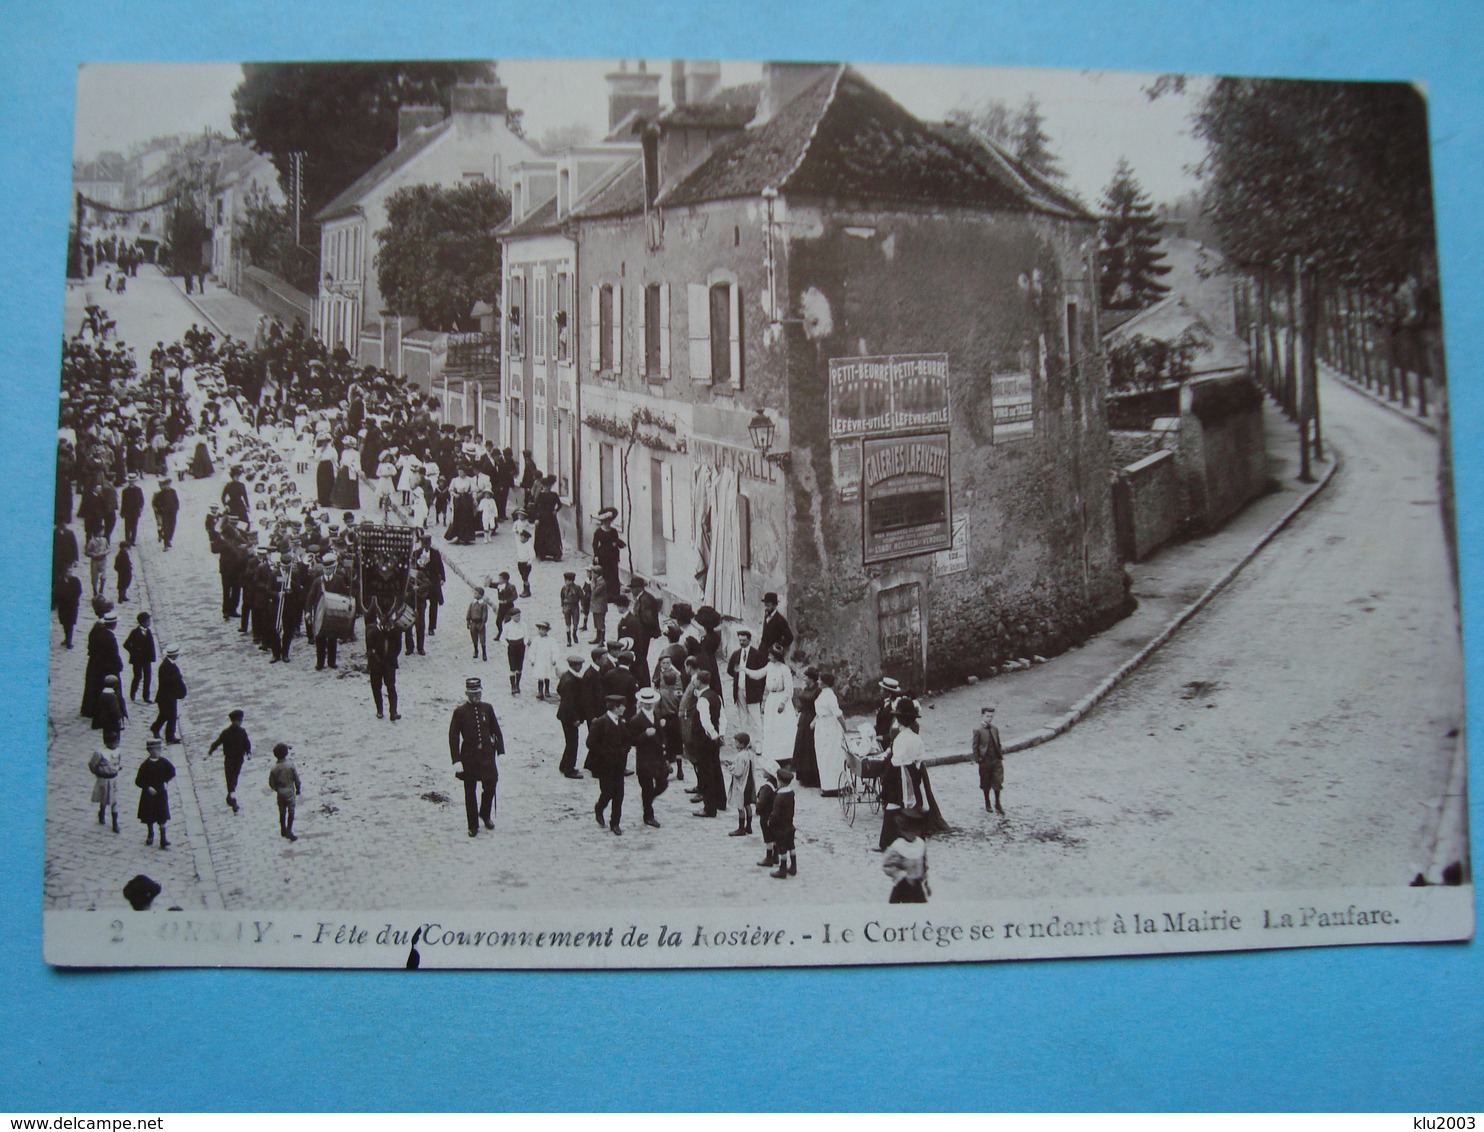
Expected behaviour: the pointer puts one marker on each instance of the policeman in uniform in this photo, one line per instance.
(474, 740)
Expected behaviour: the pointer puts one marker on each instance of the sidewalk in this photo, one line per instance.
(1039, 703)
(1409, 412)
(227, 313)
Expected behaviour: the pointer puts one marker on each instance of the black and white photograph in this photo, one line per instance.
(627, 513)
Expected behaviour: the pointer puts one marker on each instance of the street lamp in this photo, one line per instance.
(762, 430)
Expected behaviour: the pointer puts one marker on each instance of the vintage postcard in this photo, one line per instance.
(681, 513)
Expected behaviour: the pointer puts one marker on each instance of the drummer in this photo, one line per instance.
(331, 618)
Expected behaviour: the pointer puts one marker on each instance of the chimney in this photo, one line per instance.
(412, 118)
(677, 82)
(480, 98)
(783, 82)
(702, 78)
(631, 90)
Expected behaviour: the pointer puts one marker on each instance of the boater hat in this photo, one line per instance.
(648, 697)
(890, 684)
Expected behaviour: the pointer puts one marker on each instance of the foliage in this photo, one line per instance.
(185, 233)
(1138, 362)
(1019, 131)
(266, 237)
(1130, 263)
(1033, 144)
(342, 116)
(1214, 402)
(1335, 174)
(992, 118)
(438, 255)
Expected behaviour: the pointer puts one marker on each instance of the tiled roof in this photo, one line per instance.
(348, 199)
(760, 157)
(541, 219)
(619, 194)
(843, 137)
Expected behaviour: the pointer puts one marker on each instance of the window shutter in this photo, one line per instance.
(618, 328)
(642, 342)
(698, 312)
(665, 331)
(736, 341)
(593, 348)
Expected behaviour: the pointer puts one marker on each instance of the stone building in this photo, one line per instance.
(474, 142)
(907, 317)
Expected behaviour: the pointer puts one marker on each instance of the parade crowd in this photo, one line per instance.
(340, 484)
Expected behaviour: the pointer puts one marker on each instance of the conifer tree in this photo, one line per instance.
(1033, 144)
(1130, 262)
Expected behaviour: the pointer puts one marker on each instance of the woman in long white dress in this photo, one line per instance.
(780, 718)
(829, 735)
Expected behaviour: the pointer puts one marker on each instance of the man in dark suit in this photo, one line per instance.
(651, 766)
(593, 703)
(647, 616)
(474, 740)
(170, 689)
(571, 712)
(776, 630)
(383, 646)
(607, 758)
(131, 506)
(707, 736)
(167, 509)
(437, 575)
(747, 691)
(104, 660)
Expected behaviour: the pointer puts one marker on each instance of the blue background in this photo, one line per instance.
(1368, 1028)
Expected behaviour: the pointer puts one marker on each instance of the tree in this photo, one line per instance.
(438, 253)
(1032, 144)
(266, 238)
(341, 116)
(1130, 263)
(559, 138)
(186, 233)
(1313, 185)
(992, 118)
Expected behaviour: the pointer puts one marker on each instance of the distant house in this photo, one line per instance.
(101, 180)
(911, 314)
(242, 175)
(539, 354)
(473, 143)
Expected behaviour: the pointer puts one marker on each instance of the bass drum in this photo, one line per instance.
(336, 615)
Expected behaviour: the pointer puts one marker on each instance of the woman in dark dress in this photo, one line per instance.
(154, 802)
(465, 524)
(548, 531)
(324, 476)
(806, 770)
(201, 466)
(607, 542)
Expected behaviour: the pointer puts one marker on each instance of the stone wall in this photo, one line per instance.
(1039, 569)
(1223, 449)
(1147, 505)
(268, 292)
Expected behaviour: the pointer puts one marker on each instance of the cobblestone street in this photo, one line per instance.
(1143, 795)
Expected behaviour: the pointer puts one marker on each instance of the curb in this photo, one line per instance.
(1066, 722)
(1423, 423)
(201, 858)
(195, 306)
